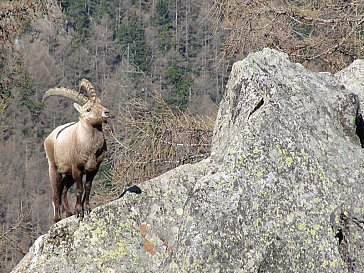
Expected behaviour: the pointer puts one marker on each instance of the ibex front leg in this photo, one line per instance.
(88, 185)
(77, 174)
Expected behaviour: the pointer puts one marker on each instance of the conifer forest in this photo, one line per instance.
(160, 66)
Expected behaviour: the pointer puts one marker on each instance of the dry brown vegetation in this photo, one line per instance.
(2, 115)
(323, 35)
(152, 138)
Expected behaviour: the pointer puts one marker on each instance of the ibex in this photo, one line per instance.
(76, 149)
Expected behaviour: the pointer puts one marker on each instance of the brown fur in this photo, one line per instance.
(74, 151)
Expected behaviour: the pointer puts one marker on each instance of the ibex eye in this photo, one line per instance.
(88, 109)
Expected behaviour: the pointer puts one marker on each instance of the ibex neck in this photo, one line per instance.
(90, 128)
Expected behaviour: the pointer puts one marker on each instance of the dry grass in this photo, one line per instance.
(150, 139)
(323, 35)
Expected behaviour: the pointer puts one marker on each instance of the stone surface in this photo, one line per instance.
(353, 78)
(281, 192)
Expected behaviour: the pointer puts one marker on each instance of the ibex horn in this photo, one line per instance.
(65, 92)
(89, 88)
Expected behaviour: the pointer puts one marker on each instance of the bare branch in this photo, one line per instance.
(151, 139)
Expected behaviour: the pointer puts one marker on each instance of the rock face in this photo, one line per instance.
(281, 192)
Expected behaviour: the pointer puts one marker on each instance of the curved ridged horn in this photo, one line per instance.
(89, 88)
(65, 92)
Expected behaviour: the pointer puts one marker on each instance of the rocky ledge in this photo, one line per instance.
(282, 191)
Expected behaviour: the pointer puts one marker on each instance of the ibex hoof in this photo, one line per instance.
(68, 214)
(87, 209)
(79, 212)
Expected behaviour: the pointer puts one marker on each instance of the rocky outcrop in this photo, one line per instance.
(353, 78)
(281, 192)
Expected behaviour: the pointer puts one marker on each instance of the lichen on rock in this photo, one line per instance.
(281, 192)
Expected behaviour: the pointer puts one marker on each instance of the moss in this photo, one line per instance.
(259, 173)
(289, 161)
(119, 251)
(280, 150)
(264, 193)
(265, 241)
(301, 226)
(189, 218)
(179, 211)
(219, 184)
(174, 266)
(313, 232)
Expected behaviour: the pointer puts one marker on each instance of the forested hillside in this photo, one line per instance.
(160, 66)
(131, 51)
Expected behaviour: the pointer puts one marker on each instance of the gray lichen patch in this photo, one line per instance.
(282, 191)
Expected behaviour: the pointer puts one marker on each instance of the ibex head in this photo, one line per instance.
(89, 108)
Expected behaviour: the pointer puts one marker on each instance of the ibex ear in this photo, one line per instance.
(78, 107)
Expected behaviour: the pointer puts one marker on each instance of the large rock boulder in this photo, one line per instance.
(281, 192)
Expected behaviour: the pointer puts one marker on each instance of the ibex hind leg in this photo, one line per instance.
(67, 183)
(56, 181)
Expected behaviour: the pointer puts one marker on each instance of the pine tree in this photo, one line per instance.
(163, 17)
(131, 38)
